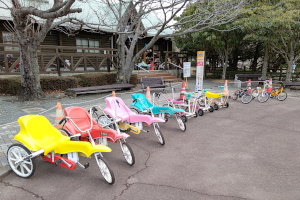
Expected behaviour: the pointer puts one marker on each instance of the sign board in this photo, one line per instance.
(186, 69)
(200, 71)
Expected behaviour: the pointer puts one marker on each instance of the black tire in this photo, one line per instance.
(184, 118)
(235, 95)
(283, 97)
(196, 115)
(166, 119)
(19, 168)
(128, 153)
(211, 109)
(181, 123)
(159, 134)
(103, 163)
(200, 112)
(216, 107)
(226, 105)
(246, 98)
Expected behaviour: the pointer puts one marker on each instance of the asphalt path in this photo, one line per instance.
(246, 151)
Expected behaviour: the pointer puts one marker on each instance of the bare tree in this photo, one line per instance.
(136, 19)
(32, 20)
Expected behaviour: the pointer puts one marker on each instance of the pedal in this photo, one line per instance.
(86, 165)
(58, 162)
(145, 131)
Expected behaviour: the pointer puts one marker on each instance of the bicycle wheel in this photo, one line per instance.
(263, 97)
(159, 134)
(282, 96)
(105, 170)
(24, 169)
(181, 123)
(246, 98)
(236, 95)
(211, 109)
(127, 153)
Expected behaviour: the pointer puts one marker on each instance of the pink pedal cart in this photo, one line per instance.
(116, 108)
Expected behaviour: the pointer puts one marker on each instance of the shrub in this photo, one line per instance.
(50, 83)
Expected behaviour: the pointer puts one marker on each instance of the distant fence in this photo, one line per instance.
(61, 58)
(275, 74)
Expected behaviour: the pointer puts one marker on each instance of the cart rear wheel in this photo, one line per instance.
(159, 134)
(184, 118)
(216, 107)
(128, 153)
(200, 112)
(105, 170)
(181, 123)
(24, 169)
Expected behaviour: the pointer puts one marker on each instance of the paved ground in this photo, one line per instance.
(243, 152)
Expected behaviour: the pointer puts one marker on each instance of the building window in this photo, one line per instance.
(87, 43)
(9, 38)
(155, 47)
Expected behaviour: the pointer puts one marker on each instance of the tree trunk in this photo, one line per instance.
(224, 63)
(288, 77)
(256, 56)
(266, 63)
(30, 75)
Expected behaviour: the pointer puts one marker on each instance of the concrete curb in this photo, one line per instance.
(5, 170)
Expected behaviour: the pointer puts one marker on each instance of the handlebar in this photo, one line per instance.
(63, 120)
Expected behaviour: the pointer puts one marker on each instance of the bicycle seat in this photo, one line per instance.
(82, 119)
(214, 95)
(37, 133)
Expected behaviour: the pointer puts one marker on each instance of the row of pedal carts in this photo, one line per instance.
(87, 133)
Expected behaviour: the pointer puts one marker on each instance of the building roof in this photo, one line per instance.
(107, 23)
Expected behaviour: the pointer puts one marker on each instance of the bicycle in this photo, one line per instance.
(244, 94)
(279, 93)
(262, 93)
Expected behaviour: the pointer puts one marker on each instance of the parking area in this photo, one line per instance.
(246, 151)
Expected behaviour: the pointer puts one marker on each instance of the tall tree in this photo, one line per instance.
(32, 20)
(136, 19)
(277, 24)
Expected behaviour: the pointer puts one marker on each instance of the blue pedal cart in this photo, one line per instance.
(141, 105)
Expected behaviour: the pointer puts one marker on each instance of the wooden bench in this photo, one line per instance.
(97, 89)
(245, 77)
(155, 82)
(292, 85)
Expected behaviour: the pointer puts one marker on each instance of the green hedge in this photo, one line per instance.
(51, 83)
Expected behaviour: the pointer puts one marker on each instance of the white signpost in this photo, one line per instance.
(186, 69)
(200, 71)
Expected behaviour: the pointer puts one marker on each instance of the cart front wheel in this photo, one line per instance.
(159, 134)
(181, 123)
(226, 105)
(128, 153)
(24, 169)
(211, 109)
(105, 170)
